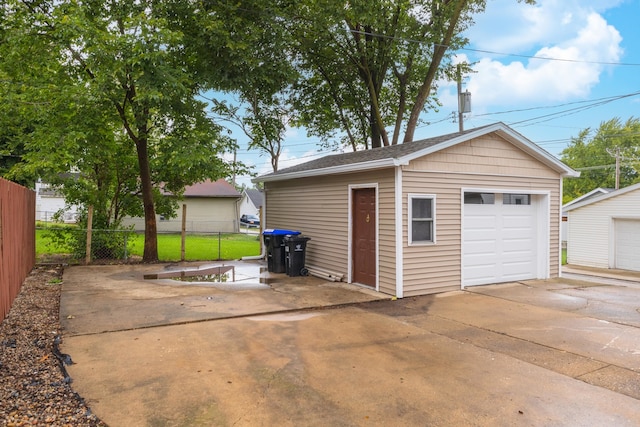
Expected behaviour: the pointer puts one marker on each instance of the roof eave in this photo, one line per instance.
(354, 167)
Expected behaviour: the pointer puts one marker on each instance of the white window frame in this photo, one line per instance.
(410, 198)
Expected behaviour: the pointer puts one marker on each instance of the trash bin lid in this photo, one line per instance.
(279, 232)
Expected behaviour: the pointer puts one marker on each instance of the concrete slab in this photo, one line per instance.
(113, 298)
(309, 352)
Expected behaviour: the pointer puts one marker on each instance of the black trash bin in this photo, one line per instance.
(295, 248)
(274, 244)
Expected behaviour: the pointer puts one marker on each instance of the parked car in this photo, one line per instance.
(250, 221)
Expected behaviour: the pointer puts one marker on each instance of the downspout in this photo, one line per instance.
(398, 221)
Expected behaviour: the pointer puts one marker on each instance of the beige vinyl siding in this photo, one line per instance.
(204, 215)
(489, 154)
(589, 228)
(437, 267)
(319, 208)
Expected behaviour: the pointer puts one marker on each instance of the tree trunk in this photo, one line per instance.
(438, 54)
(150, 228)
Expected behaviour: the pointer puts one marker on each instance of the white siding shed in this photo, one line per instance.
(604, 232)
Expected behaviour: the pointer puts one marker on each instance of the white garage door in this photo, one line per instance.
(627, 244)
(498, 238)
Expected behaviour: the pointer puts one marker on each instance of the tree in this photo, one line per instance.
(99, 68)
(264, 122)
(371, 65)
(594, 155)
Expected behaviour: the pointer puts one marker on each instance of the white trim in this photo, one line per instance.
(332, 170)
(352, 187)
(586, 196)
(612, 242)
(398, 230)
(410, 197)
(605, 196)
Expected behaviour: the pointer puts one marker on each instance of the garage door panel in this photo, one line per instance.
(627, 244)
(499, 243)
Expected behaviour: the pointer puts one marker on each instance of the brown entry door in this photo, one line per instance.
(364, 236)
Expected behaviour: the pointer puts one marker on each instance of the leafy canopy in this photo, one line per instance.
(593, 153)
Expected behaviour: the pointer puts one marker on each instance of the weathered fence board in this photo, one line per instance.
(17, 240)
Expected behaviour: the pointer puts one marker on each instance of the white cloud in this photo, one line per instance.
(510, 26)
(535, 81)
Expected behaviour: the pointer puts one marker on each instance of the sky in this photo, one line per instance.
(549, 71)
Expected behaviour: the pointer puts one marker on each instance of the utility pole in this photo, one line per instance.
(460, 115)
(464, 100)
(616, 154)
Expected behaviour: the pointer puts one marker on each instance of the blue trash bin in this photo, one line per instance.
(274, 242)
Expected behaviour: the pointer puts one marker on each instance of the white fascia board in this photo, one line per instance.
(537, 152)
(603, 197)
(353, 167)
(585, 196)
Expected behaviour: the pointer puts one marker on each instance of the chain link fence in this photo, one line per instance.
(128, 245)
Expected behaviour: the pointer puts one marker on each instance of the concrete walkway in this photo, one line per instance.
(303, 351)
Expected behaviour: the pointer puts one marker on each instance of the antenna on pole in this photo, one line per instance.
(464, 100)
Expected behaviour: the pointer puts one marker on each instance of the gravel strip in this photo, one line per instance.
(34, 386)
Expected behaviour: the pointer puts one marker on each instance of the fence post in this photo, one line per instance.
(89, 230)
(219, 247)
(125, 246)
(184, 231)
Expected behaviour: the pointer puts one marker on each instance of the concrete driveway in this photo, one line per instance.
(272, 350)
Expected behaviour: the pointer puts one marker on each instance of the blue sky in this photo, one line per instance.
(593, 48)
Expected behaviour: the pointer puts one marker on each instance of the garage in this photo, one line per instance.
(604, 231)
(627, 244)
(500, 238)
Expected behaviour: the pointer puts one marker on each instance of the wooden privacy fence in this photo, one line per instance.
(17, 240)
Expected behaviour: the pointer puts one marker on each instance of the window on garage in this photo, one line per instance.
(422, 218)
(516, 199)
(473, 198)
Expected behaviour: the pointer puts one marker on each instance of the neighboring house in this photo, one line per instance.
(470, 208)
(210, 207)
(49, 201)
(604, 231)
(593, 193)
(251, 202)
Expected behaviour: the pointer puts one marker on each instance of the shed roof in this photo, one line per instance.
(591, 194)
(603, 197)
(208, 188)
(402, 154)
(255, 196)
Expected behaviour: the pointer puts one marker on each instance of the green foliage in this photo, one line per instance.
(593, 154)
(109, 90)
(372, 65)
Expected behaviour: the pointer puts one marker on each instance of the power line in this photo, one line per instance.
(544, 58)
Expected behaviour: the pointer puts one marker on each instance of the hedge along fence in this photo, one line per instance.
(17, 240)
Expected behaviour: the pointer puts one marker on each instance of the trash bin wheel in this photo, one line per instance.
(304, 271)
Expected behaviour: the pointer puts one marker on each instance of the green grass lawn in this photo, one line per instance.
(198, 247)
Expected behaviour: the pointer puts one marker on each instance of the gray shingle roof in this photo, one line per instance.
(390, 152)
(401, 154)
(255, 196)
